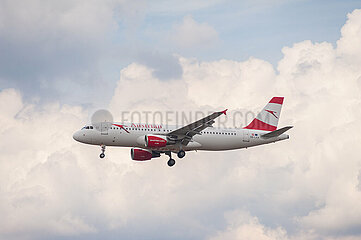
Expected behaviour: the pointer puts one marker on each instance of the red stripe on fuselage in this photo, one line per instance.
(259, 125)
(121, 126)
(278, 100)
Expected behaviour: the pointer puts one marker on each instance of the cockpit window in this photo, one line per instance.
(87, 127)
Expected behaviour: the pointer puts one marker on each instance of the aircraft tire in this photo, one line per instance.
(171, 162)
(181, 154)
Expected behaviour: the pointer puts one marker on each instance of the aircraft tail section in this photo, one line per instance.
(268, 118)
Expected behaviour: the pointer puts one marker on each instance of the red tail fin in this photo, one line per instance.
(268, 118)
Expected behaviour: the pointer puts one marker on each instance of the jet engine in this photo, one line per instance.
(139, 154)
(155, 141)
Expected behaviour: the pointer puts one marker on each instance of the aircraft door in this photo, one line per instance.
(245, 135)
(104, 126)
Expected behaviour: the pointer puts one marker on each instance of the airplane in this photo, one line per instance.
(149, 141)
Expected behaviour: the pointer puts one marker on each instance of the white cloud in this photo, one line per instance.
(51, 48)
(243, 226)
(349, 45)
(190, 33)
(304, 188)
(65, 21)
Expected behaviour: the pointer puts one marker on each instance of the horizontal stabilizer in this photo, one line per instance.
(276, 133)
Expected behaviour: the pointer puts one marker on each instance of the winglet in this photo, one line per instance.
(224, 111)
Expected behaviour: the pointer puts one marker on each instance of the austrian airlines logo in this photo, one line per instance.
(121, 126)
(273, 113)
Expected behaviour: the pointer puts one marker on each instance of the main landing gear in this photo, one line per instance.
(171, 161)
(102, 155)
(181, 154)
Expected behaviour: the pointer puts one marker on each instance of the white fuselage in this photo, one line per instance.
(210, 139)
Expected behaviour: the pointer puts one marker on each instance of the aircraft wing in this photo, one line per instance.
(185, 134)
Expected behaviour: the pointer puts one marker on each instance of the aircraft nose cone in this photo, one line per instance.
(76, 136)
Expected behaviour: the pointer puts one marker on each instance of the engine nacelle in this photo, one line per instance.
(155, 141)
(139, 154)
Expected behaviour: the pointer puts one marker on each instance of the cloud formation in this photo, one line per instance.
(165, 67)
(191, 34)
(50, 48)
(243, 226)
(304, 188)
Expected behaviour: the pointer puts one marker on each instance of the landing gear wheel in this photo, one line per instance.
(102, 155)
(171, 162)
(181, 154)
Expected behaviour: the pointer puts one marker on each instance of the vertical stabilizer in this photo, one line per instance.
(268, 118)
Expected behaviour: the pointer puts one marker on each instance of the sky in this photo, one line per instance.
(62, 60)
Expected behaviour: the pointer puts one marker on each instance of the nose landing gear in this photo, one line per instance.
(102, 155)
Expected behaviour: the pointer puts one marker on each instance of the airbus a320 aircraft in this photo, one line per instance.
(151, 140)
